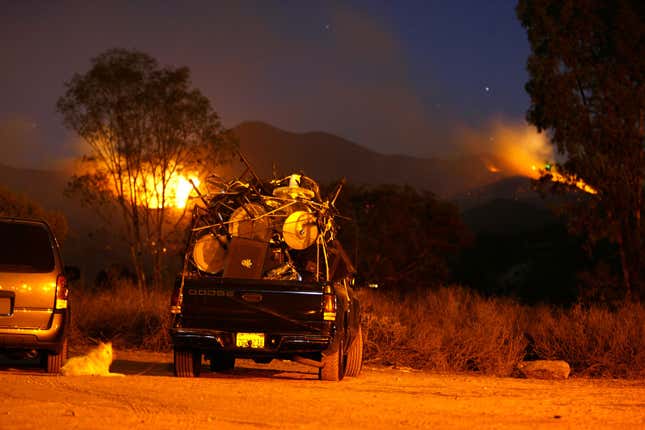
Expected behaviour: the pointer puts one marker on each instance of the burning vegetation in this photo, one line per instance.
(521, 150)
(174, 194)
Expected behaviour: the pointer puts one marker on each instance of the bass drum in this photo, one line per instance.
(300, 230)
(248, 222)
(209, 253)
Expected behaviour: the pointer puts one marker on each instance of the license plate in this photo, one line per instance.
(249, 340)
(5, 306)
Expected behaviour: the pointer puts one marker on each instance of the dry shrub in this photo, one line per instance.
(594, 340)
(124, 314)
(449, 329)
(383, 333)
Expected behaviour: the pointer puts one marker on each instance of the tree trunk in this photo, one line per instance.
(624, 264)
(139, 270)
(157, 264)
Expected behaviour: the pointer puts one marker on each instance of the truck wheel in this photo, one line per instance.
(333, 368)
(188, 363)
(221, 362)
(355, 356)
(52, 362)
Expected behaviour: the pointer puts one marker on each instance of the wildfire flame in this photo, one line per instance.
(145, 182)
(579, 183)
(178, 190)
(526, 152)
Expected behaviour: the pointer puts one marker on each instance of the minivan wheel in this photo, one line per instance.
(188, 363)
(52, 362)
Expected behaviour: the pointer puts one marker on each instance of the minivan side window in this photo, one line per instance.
(25, 248)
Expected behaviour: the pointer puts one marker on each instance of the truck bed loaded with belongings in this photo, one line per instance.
(265, 277)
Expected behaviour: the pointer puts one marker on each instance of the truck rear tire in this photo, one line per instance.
(355, 356)
(333, 365)
(188, 363)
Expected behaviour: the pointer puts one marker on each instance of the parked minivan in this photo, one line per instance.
(34, 313)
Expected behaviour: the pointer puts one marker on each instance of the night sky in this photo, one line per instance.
(396, 77)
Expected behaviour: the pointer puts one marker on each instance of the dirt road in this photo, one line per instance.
(283, 395)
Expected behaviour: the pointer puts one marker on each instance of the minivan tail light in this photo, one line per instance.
(61, 292)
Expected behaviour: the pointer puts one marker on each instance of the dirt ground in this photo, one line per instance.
(284, 395)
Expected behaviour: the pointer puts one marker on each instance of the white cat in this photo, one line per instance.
(96, 362)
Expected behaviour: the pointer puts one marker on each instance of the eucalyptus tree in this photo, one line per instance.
(146, 127)
(587, 88)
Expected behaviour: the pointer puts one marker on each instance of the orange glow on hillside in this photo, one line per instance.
(521, 149)
(492, 168)
(526, 152)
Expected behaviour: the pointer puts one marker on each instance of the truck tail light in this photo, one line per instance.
(175, 300)
(61, 292)
(329, 307)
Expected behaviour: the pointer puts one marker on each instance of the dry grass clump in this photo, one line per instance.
(454, 329)
(594, 340)
(123, 314)
(449, 329)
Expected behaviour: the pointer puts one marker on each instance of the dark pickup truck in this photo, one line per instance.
(265, 278)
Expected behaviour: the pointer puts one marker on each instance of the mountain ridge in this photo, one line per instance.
(323, 156)
(327, 157)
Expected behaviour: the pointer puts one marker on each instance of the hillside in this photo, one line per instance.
(44, 186)
(507, 216)
(328, 158)
(323, 156)
(88, 245)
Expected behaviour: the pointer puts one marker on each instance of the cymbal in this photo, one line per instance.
(293, 193)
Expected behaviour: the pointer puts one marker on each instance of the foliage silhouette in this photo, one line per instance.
(587, 89)
(144, 125)
(400, 238)
(17, 205)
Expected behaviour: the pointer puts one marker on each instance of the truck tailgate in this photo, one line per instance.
(247, 305)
